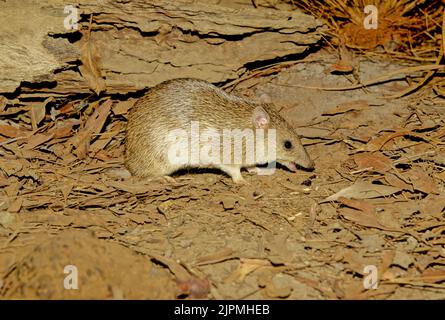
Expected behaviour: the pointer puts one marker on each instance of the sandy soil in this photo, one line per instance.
(205, 237)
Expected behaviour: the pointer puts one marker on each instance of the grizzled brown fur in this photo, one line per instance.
(174, 104)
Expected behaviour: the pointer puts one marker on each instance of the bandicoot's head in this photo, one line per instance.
(289, 150)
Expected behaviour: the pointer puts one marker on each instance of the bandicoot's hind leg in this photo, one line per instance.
(156, 167)
(234, 172)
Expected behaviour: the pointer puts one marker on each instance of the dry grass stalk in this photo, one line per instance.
(405, 27)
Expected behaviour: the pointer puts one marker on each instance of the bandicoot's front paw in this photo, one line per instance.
(169, 179)
(252, 170)
(240, 180)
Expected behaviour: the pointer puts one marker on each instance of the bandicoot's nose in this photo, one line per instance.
(310, 164)
(305, 161)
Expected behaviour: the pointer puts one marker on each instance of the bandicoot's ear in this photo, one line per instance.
(260, 118)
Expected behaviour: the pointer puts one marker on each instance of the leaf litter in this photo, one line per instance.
(375, 198)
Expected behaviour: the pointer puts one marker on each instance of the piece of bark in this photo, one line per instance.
(27, 53)
(141, 43)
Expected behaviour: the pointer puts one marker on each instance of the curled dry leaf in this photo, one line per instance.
(3, 103)
(37, 112)
(385, 141)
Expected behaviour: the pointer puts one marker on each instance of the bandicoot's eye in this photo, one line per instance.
(288, 144)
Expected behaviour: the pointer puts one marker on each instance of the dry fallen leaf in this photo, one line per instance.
(90, 63)
(279, 286)
(374, 160)
(36, 140)
(433, 205)
(357, 204)
(10, 131)
(363, 190)
(387, 259)
(81, 141)
(122, 107)
(398, 180)
(402, 259)
(130, 186)
(245, 267)
(356, 105)
(3, 103)
(433, 276)
(222, 255)
(422, 181)
(386, 141)
(38, 111)
(365, 219)
(63, 129)
(15, 205)
(10, 167)
(104, 139)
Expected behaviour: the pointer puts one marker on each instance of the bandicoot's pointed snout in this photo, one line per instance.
(305, 161)
(310, 164)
